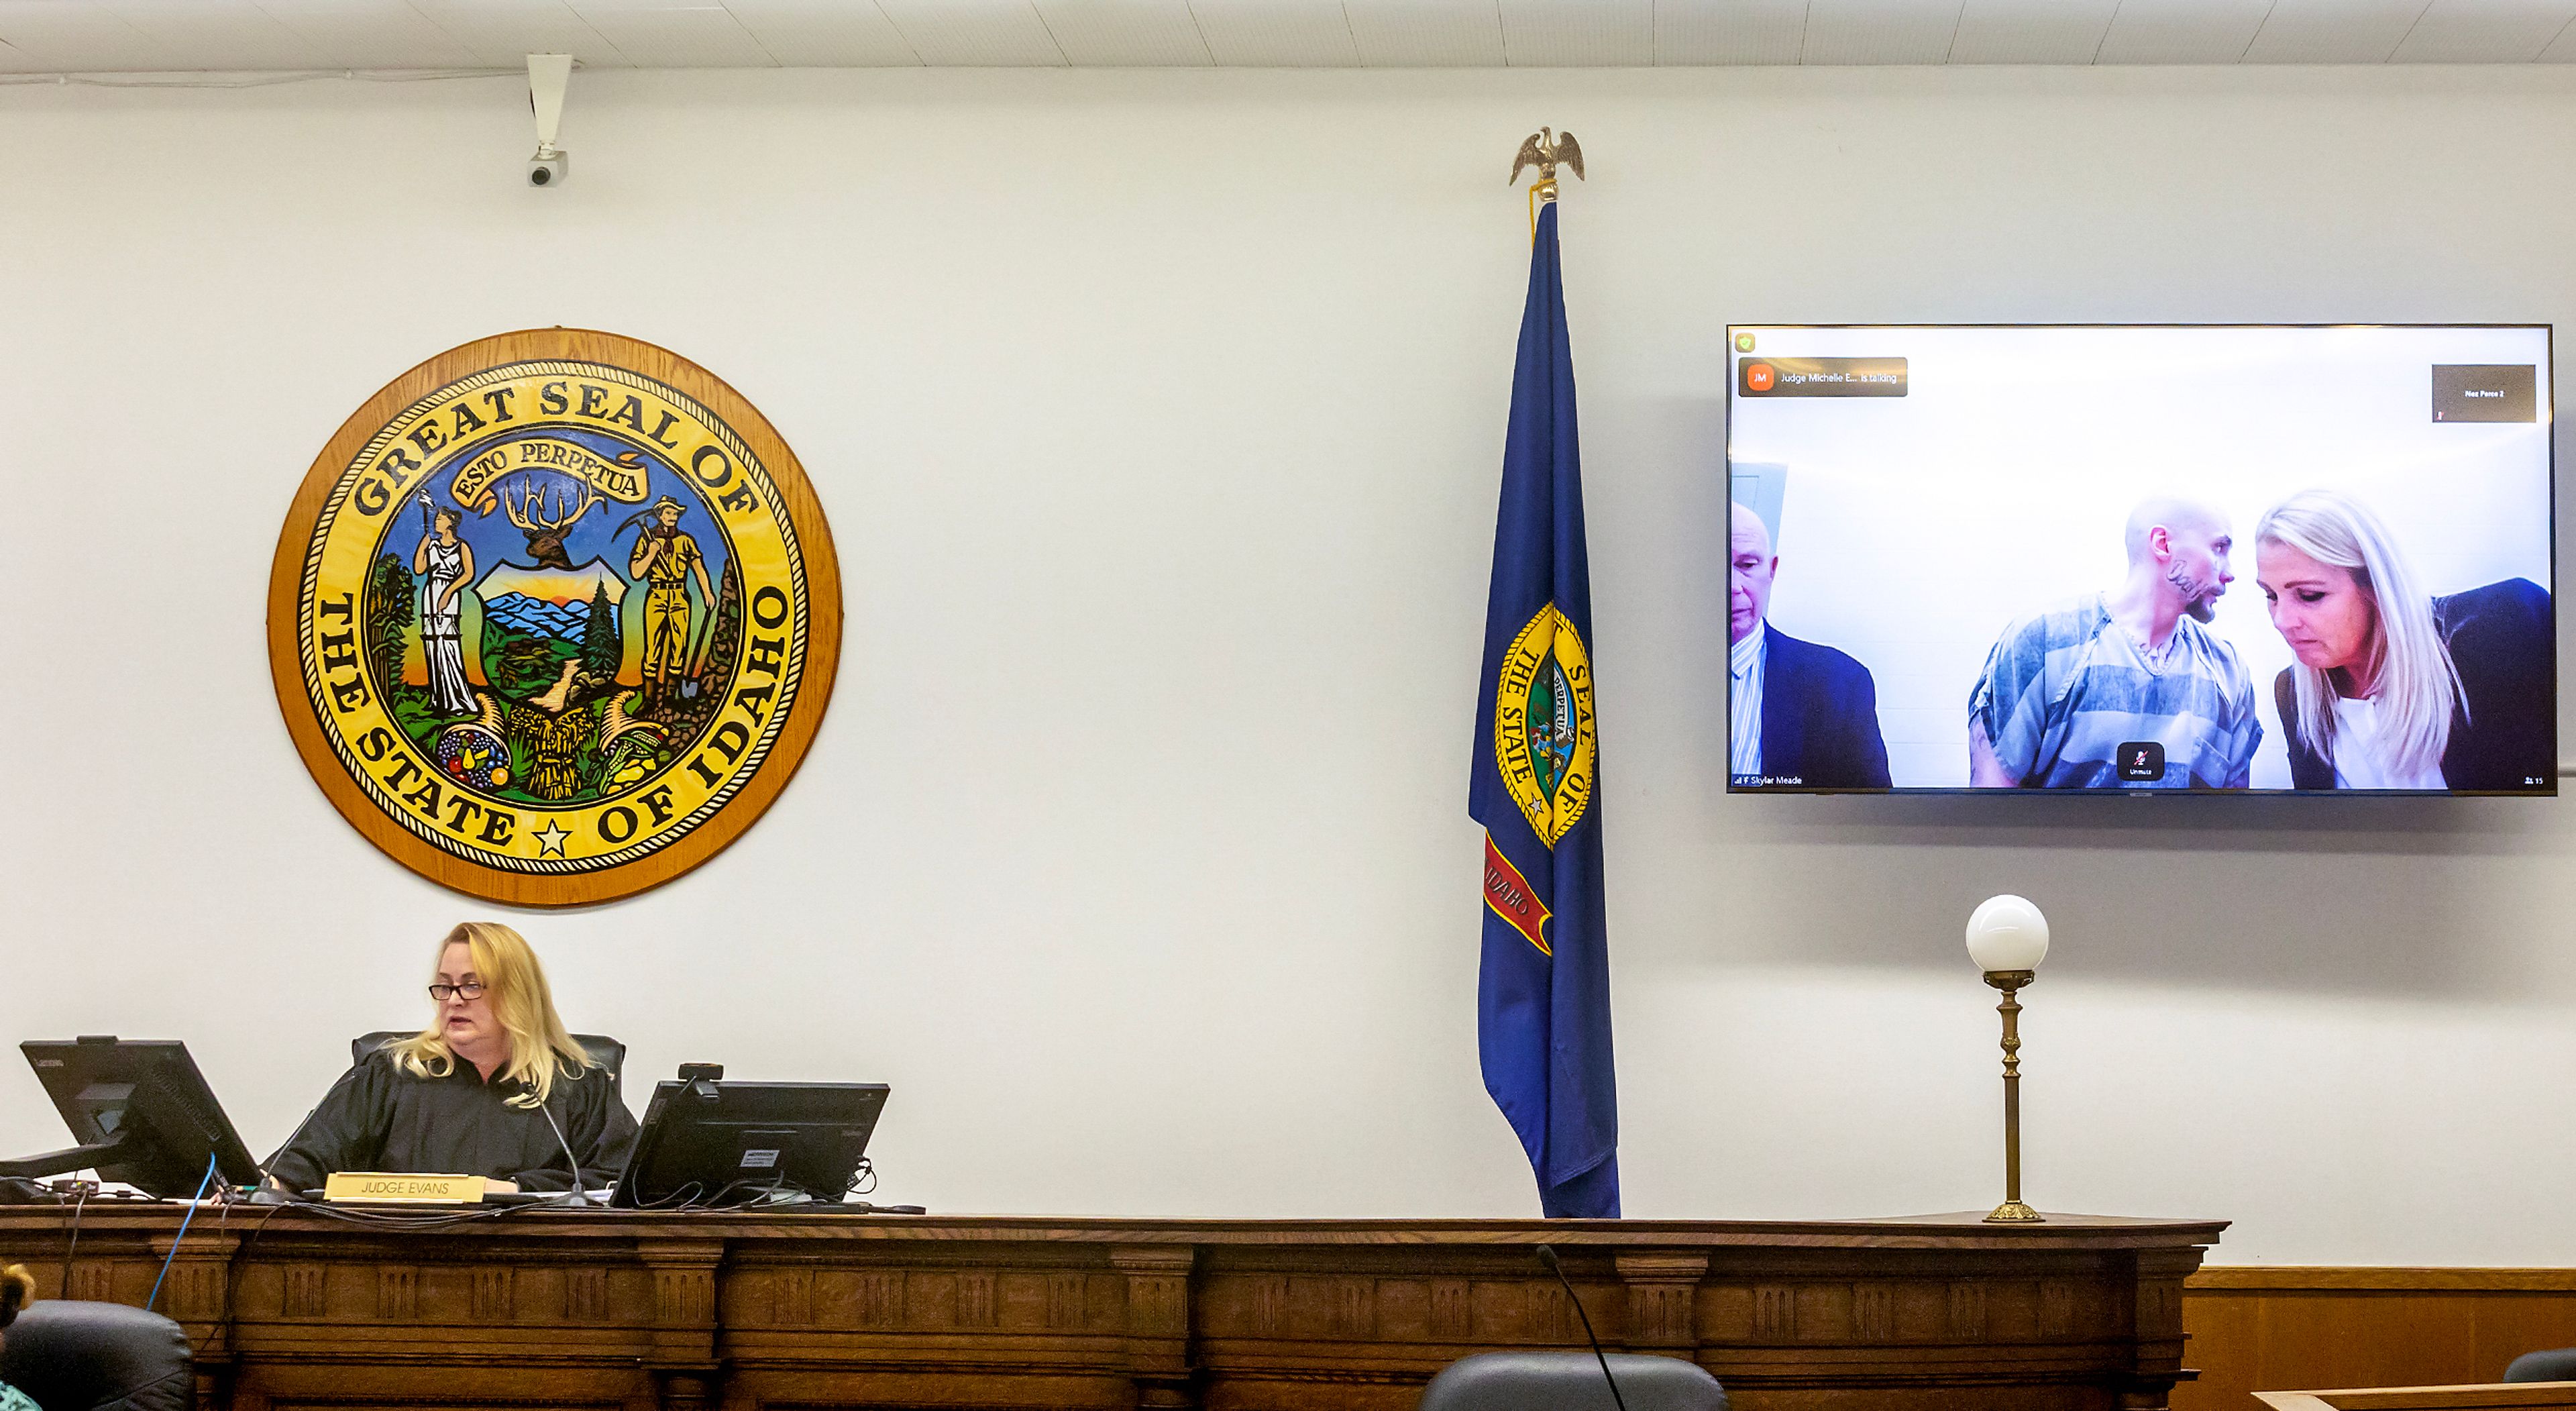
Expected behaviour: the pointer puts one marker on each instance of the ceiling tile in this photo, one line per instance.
(1277, 33)
(1880, 31)
(1400, 34)
(2333, 31)
(75, 36)
(502, 33)
(1729, 31)
(1578, 33)
(2484, 31)
(2182, 31)
(213, 35)
(701, 35)
(816, 34)
(975, 33)
(1117, 34)
(371, 34)
(2031, 31)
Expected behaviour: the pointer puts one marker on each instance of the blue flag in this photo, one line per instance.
(1543, 997)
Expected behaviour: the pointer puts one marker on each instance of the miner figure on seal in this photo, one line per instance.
(664, 560)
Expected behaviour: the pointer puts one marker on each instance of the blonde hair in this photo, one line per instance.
(17, 1290)
(540, 1048)
(2410, 667)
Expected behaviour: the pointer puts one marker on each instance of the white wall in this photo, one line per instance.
(1158, 418)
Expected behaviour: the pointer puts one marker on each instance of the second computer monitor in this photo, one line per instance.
(715, 1143)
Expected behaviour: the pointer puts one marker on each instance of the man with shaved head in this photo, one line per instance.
(2124, 689)
(1798, 713)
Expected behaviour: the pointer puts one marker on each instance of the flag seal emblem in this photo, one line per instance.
(1543, 730)
(553, 617)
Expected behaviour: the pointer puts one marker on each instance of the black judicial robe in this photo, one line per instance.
(380, 1118)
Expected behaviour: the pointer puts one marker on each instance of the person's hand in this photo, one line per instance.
(495, 1186)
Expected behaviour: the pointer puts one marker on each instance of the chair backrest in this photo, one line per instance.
(608, 1053)
(1571, 1381)
(71, 1355)
(2556, 1365)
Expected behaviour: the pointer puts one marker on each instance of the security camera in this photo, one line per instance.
(547, 76)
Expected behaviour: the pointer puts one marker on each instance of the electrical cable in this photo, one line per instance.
(175, 1240)
(248, 79)
(80, 1200)
(1547, 1256)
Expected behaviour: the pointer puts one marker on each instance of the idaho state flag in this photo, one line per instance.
(1543, 999)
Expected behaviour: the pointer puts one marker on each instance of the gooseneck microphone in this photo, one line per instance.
(581, 1196)
(264, 1196)
(1547, 1256)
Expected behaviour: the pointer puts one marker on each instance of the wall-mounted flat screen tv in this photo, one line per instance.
(2110, 558)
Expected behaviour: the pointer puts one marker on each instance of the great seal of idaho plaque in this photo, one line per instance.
(554, 617)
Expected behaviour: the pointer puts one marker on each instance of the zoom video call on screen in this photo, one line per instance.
(2111, 558)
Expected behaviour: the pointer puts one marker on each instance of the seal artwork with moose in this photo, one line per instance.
(554, 617)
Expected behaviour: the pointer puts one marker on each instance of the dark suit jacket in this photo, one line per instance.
(1819, 716)
(2501, 735)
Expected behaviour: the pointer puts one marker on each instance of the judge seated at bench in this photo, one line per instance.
(494, 1086)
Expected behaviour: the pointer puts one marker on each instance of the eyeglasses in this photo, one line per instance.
(442, 993)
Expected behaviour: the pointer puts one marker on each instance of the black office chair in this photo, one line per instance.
(2558, 1364)
(605, 1051)
(70, 1355)
(1570, 1381)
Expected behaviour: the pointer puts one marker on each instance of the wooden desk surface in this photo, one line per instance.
(297, 1310)
(2498, 1396)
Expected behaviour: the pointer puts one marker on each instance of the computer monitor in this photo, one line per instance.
(142, 1113)
(711, 1143)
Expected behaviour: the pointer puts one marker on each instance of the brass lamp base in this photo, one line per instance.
(2013, 1212)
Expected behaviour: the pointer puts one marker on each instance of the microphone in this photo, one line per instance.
(1547, 1256)
(579, 1195)
(267, 1197)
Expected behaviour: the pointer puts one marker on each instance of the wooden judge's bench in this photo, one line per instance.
(650, 1312)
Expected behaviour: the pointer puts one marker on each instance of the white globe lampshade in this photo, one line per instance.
(2007, 933)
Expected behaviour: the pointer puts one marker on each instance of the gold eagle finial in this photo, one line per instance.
(1537, 150)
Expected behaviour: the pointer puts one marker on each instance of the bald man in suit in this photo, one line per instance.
(1800, 713)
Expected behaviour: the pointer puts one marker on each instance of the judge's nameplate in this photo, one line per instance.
(402, 1188)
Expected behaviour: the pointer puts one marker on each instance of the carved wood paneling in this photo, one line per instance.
(492, 1302)
(305, 1286)
(978, 1304)
(644, 1312)
(397, 1292)
(93, 1280)
(585, 1297)
(1663, 1297)
(1451, 1318)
